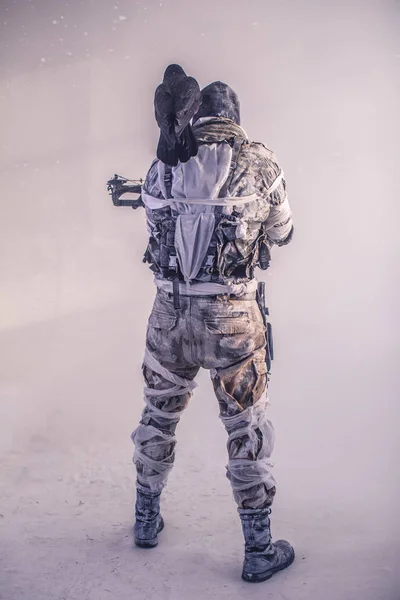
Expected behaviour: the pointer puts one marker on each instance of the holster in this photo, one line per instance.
(269, 345)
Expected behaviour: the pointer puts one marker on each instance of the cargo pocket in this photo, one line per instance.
(160, 320)
(260, 366)
(261, 378)
(160, 331)
(228, 325)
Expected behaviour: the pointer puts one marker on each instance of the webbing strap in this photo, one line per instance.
(223, 199)
(168, 181)
(220, 201)
(237, 146)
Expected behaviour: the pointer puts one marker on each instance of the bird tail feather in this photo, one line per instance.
(188, 146)
(168, 154)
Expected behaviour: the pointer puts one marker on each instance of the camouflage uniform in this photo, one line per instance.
(219, 324)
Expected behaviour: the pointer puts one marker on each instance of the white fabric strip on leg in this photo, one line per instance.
(149, 433)
(161, 466)
(151, 439)
(246, 473)
(185, 384)
(176, 390)
(158, 411)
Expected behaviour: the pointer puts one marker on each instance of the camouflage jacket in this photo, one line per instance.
(244, 233)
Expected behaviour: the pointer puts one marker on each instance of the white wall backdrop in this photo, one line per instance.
(318, 83)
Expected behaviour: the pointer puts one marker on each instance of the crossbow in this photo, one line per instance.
(125, 192)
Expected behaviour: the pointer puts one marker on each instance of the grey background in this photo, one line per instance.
(318, 83)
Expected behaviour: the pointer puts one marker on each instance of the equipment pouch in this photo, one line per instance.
(269, 345)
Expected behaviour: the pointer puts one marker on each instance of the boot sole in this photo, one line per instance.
(259, 577)
(152, 543)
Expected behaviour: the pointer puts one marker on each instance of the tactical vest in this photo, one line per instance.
(205, 247)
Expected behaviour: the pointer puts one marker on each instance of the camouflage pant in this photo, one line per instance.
(226, 336)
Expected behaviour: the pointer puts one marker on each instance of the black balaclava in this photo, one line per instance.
(219, 100)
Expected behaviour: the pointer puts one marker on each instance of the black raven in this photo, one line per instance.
(176, 100)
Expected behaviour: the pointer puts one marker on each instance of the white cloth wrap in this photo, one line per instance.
(246, 473)
(149, 439)
(182, 385)
(208, 289)
(195, 188)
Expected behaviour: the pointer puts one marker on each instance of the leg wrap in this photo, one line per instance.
(250, 445)
(166, 396)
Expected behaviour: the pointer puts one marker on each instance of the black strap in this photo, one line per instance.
(175, 289)
(269, 344)
(168, 181)
(261, 294)
(168, 194)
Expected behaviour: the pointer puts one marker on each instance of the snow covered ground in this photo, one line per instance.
(318, 83)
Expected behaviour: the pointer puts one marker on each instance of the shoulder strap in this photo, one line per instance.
(237, 146)
(238, 141)
(168, 181)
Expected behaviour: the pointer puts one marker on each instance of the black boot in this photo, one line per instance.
(262, 558)
(149, 522)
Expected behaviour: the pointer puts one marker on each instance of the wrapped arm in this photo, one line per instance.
(278, 227)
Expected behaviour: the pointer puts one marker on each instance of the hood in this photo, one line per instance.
(219, 100)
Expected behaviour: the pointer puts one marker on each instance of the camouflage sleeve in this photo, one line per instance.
(151, 185)
(278, 226)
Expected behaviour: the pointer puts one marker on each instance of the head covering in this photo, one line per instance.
(173, 70)
(219, 100)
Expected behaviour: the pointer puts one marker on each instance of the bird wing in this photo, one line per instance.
(187, 97)
(164, 108)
